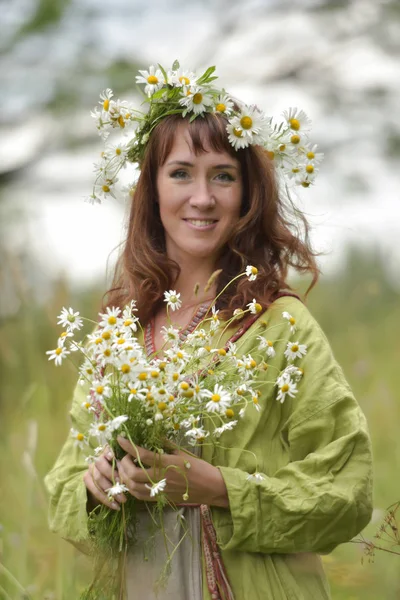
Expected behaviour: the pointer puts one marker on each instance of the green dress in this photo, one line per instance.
(313, 455)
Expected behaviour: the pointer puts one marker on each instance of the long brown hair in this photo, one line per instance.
(271, 233)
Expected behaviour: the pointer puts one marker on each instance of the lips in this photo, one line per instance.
(201, 222)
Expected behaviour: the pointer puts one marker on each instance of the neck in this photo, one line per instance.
(195, 277)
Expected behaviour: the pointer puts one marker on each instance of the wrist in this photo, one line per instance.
(219, 492)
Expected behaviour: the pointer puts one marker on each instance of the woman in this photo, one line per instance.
(201, 204)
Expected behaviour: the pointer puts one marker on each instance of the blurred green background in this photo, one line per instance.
(339, 61)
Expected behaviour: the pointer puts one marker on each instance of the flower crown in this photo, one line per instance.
(184, 92)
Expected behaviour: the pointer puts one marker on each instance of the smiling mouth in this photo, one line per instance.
(201, 222)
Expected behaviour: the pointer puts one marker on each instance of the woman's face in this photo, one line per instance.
(199, 200)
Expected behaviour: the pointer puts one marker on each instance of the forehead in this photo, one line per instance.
(193, 146)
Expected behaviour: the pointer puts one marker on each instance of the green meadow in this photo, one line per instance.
(359, 310)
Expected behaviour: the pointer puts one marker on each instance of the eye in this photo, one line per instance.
(225, 177)
(179, 174)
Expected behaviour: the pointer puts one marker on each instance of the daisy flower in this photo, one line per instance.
(291, 371)
(219, 401)
(100, 431)
(225, 427)
(297, 120)
(251, 121)
(58, 354)
(224, 105)
(105, 98)
(116, 423)
(117, 153)
(109, 319)
(255, 477)
(295, 350)
(156, 488)
(153, 78)
(251, 272)
(70, 319)
(197, 101)
(286, 388)
(170, 334)
(100, 390)
(254, 307)
(183, 79)
(79, 438)
(172, 298)
(118, 488)
(236, 136)
(103, 188)
(311, 155)
(266, 345)
(63, 337)
(292, 321)
(196, 434)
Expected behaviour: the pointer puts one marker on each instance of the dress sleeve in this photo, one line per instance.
(323, 495)
(68, 496)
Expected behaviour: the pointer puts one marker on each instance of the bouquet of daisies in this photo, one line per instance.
(189, 396)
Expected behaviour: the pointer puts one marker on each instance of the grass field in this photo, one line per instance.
(360, 312)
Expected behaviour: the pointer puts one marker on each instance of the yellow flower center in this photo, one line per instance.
(216, 398)
(305, 184)
(106, 188)
(310, 169)
(294, 124)
(197, 98)
(210, 371)
(188, 394)
(142, 376)
(63, 335)
(80, 437)
(257, 307)
(100, 389)
(112, 320)
(295, 348)
(269, 343)
(133, 391)
(253, 364)
(121, 341)
(154, 374)
(175, 377)
(184, 385)
(121, 121)
(106, 335)
(107, 352)
(229, 413)
(162, 406)
(239, 392)
(184, 80)
(152, 79)
(292, 321)
(254, 270)
(162, 366)
(106, 104)
(310, 155)
(237, 132)
(295, 170)
(125, 368)
(295, 139)
(177, 426)
(282, 147)
(179, 355)
(58, 351)
(220, 107)
(118, 151)
(270, 154)
(246, 122)
(222, 352)
(255, 400)
(87, 405)
(128, 322)
(102, 427)
(285, 388)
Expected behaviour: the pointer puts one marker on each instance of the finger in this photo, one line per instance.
(109, 470)
(128, 470)
(147, 457)
(97, 493)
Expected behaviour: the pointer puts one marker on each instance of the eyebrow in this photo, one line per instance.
(184, 163)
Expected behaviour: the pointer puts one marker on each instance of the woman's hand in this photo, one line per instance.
(188, 478)
(100, 476)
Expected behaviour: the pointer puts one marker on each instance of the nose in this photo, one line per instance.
(202, 196)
